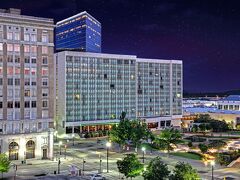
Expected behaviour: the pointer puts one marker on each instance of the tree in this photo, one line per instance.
(4, 164)
(203, 148)
(130, 166)
(168, 138)
(156, 170)
(184, 171)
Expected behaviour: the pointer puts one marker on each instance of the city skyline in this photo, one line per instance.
(203, 35)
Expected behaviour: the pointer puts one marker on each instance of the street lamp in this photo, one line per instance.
(65, 148)
(60, 144)
(108, 145)
(143, 150)
(59, 162)
(83, 165)
(55, 134)
(212, 164)
(73, 135)
(100, 160)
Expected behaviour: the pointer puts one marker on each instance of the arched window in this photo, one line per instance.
(13, 151)
(30, 149)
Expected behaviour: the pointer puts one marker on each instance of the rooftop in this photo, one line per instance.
(232, 98)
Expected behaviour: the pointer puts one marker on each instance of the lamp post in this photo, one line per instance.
(100, 160)
(65, 153)
(60, 144)
(59, 162)
(143, 150)
(108, 145)
(55, 134)
(83, 166)
(73, 135)
(212, 165)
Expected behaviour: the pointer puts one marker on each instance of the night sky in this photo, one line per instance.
(204, 34)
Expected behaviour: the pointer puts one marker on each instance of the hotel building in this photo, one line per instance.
(93, 89)
(81, 32)
(26, 85)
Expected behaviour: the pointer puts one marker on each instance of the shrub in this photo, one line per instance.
(203, 148)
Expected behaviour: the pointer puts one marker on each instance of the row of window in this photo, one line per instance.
(27, 59)
(27, 104)
(27, 82)
(27, 48)
(27, 71)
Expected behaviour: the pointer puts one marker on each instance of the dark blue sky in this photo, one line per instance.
(205, 34)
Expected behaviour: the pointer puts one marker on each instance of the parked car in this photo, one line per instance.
(97, 177)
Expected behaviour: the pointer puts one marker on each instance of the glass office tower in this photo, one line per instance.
(81, 32)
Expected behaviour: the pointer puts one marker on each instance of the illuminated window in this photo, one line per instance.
(27, 59)
(10, 59)
(26, 81)
(44, 71)
(1, 70)
(17, 36)
(17, 59)
(10, 71)
(27, 93)
(44, 60)
(34, 49)
(17, 70)
(26, 37)
(44, 50)
(33, 92)
(34, 60)
(10, 35)
(26, 48)
(1, 46)
(10, 47)
(33, 37)
(45, 38)
(16, 47)
(26, 71)
(33, 71)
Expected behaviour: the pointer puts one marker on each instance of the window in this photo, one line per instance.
(17, 82)
(34, 104)
(1, 58)
(17, 36)
(45, 92)
(44, 50)
(34, 60)
(27, 82)
(10, 81)
(10, 104)
(1, 105)
(34, 49)
(34, 92)
(17, 59)
(10, 59)
(44, 60)
(17, 104)
(27, 104)
(17, 70)
(1, 70)
(10, 93)
(26, 71)
(17, 92)
(1, 81)
(10, 47)
(33, 71)
(45, 38)
(16, 47)
(26, 48)
(44, 71)
(10, 71)
(27, 59)
(1, 46)
(105, 76)
(45, 82)
(34, 83)
(33, 37)
(45, 104)
(26, 37)
(27, 93)
(10, 35)
(45, 114)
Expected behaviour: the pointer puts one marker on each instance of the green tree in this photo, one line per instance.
(156, 170)
(4, 164)
(168, 138)
(203, 148)
(130, 166)
(184, 171)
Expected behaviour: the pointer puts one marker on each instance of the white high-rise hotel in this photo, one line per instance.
(26, 85)
(94, 88)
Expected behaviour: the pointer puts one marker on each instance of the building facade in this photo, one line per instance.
(230, 103)
(93, 89)
(81, 32)
(26, 85)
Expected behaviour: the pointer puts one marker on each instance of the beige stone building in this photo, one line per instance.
(26, 85)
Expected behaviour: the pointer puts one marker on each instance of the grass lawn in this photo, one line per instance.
(187, 155)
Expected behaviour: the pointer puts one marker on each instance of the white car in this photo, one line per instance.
(97, 177)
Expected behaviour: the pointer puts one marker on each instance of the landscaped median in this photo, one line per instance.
(188, 155)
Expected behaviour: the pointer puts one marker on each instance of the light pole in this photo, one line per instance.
(65, 153)
(100, 160)
(212, 164)
(73, 135)
(83, 165)
(143, 150)
(60, 144)
(55, 134)
(59, 162)
(108, 145)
